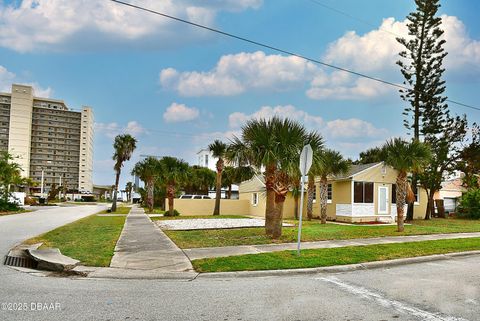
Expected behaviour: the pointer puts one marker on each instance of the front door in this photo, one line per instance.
(383, 200)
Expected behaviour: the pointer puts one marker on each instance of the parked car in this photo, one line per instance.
(195, 197)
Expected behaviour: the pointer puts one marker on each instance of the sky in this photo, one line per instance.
(177, 88)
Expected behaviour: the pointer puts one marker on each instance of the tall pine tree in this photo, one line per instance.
(427, 115)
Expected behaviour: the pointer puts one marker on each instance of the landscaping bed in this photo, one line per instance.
(191, 217)
(314, 231)
(204, 224)
(90, 240)
(5, 213)
(334, 256)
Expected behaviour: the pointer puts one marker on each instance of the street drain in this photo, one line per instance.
(25, 262)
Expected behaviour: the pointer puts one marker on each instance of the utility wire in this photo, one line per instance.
(271, 47)
(367, 23)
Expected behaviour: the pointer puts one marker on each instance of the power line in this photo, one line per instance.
(271, 47)
(346, 14)
(367, 23)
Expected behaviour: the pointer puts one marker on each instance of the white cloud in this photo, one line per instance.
(27, 25)
(7, 78)
(378, 49)
(237, 119)
(134, 128)
(113, 129)
(336, 129)
(374, 53)
(352, 128)
(235, 74)
(180, 113)
(342, 86)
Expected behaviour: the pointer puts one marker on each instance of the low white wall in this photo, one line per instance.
(17, 197)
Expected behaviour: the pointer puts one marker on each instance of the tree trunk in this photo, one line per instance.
(229, 194)
(401, 196)
(270, 202)
(278, 219)
(150, 187)
(430, 205)
(170, 196)
(114, 204)
(310, 195)
(323, 199)
(218, 193)
(411, 206)
(296, 199)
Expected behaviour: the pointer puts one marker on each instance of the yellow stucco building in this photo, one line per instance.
(366, 193)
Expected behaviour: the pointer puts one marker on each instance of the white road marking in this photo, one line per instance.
(387, 303)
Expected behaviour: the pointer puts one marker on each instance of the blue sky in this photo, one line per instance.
(177, 88)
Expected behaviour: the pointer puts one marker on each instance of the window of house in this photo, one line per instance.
(314, 193)
(255, 199)
(329, 192)
(363, 192)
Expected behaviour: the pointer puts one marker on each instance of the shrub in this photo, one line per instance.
(30, 201)
(8, 207)
(470, 204)
(175, 213)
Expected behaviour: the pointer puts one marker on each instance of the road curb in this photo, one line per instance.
(128, 274)
(337, 268)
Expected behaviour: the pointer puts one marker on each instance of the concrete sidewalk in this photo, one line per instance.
(143, 246)
(210, 252)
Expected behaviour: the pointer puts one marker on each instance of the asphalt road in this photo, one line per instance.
(441, 290)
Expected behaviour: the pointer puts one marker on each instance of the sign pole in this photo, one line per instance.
(301, 215)
(306, 158)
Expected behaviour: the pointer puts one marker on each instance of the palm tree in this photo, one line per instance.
(218, 149)
(174, 173)
(123, 146)
(257, 148)
(128, 190)
(10, 174)
(272, 145)
(405, 157)
(316, 142)
(148, 170)
(329, 163)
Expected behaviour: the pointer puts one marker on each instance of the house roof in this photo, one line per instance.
(354, 170)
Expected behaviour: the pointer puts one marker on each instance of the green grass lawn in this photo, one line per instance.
(314, 231)
(91, 240)
(196, 216)
(334, 256)
(120, 210)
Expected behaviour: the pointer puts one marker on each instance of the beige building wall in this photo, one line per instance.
(86, 150)
(19, 136)
(188, 207)
(420, 207)
(341, 194)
